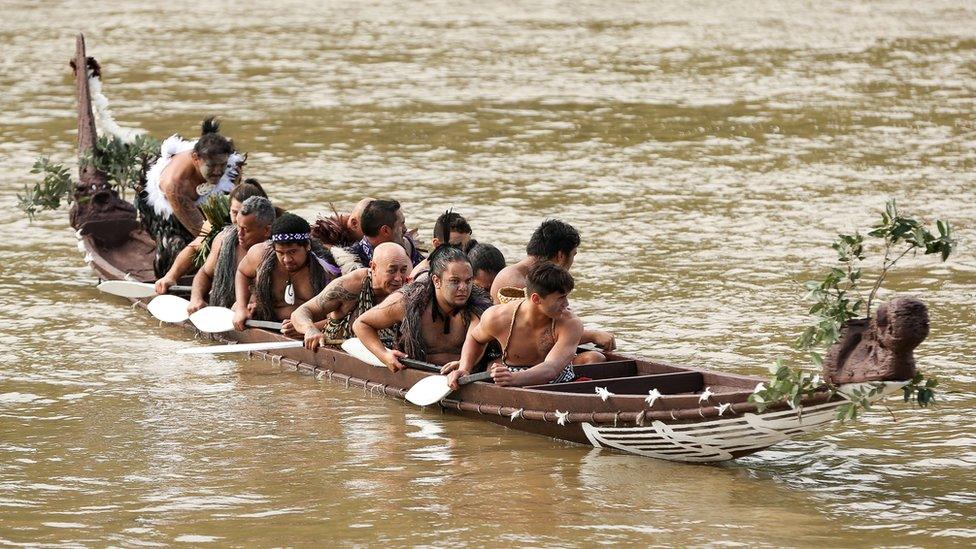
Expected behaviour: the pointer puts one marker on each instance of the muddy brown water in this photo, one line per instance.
(707, 151)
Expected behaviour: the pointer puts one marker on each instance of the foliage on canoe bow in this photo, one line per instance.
(124, 164)
(838, 300)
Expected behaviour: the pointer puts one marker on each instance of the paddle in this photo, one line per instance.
(133, 289)
(266, 346)
(242, 347)
(354, 346)
(221, 319)
(433, 389)
(169, 308)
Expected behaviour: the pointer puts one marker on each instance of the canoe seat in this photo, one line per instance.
(668, 384)
(608, 369)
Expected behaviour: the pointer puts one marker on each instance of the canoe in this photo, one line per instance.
(701, 416)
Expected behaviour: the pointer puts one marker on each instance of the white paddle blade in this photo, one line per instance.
(428, 390)
(169, 308)
(128, 288)
(242, 347)
(355, 347)
(213, 320)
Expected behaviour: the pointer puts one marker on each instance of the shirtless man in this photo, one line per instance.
(286, 272)
(215, 281)
(433, 315)
(538, 335)
(557, 242)
(184, 261)
(329, 317)
(450, 228)
(184, 179)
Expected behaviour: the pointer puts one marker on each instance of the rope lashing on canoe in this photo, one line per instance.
(547, 416)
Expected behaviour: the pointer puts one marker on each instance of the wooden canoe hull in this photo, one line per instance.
(677, 427)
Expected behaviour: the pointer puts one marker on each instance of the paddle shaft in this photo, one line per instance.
(178, 288)
(427, 366)
(420, 365)
(264, 324)
(471, 378)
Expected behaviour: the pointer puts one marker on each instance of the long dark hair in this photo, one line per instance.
(419, 295)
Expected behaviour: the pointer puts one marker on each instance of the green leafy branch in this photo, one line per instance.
(49, 192)
(837, 299)
(124, 164)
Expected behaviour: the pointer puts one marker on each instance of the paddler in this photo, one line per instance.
(450, 228)
(286, 272)
(329, 317)
(382, 221)
(486, 261)
(538, 335)
(184, 261)
(214, 282)
(556, 242)
(431, 317)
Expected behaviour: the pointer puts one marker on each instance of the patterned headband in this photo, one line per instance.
(290, 237)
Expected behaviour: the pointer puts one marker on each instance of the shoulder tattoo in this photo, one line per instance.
(338, 292)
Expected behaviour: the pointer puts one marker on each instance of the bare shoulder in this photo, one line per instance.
(509, 276)
(214, 244)
(345, 288)
(496, 318)
(257, 253)
(569, 323)
(353, 281)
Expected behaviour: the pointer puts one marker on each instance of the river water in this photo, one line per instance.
(707, 151)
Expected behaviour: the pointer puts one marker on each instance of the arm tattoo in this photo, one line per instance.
(339, 292)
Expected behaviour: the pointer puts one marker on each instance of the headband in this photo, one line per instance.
(290, 237)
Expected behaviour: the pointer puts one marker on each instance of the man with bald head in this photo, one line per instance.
(327, 318)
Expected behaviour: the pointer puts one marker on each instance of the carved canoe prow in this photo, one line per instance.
(97, 209)
(879, 348)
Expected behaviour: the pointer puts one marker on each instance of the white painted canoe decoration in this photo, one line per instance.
(719, 440)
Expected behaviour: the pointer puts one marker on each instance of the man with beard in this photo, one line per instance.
(328, 318)
(433, 315)
(216, 278)
(286, 272)
(538, 335)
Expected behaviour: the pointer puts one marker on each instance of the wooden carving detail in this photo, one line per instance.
(97, 209)
(880, 348)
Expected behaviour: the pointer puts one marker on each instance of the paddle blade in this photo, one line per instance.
(356, 348)
(127, 288)
(213, 319)
(169, 308)
(428, 391)
(242, 347)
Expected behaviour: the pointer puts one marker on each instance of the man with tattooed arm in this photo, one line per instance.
(327, 318)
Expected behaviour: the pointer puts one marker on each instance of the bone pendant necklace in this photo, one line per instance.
(204, 189)
(290, 292)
